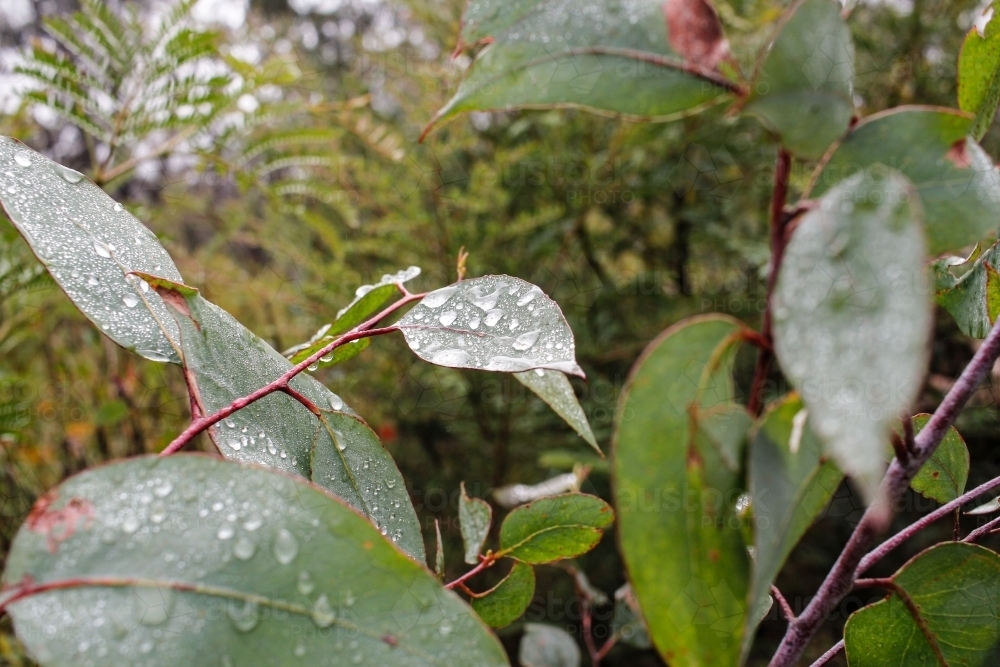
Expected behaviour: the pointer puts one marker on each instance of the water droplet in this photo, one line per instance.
(102, 250)
(234, 444)
(11, 190)
(226, 531)
(22, 159)
(271, 449)
(152, 605)
(322, 613)
(130, 524)
(71, 176)
(163, 490)
(474, 323)
(447, 317)
(526, 340)
(306, 584)
(300, 650)
(252, 523)
(493, 317)
(445, 628)
(118, 207)
(286, 547)
(244, 617)
(244, 549)
(157, 512)
(529, 296)
(459, 358)
(130, 300)
(437, 298)
(391, 483)
(539, 372)
(336, 403)
(349, 599)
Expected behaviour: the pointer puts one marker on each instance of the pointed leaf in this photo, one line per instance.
(979, 73)
(517, 494)
(439, 552)
(986, 508)
(554, 388)
(504, 603)
(547, 646)
(627, 622)
(89, 243)
(554, 528)
(493, 323)
(369, 300)
(609, 56)
(943, 611)
(958, 184)
(803, 91)
(852, 318)
(145, 569)
(974, 299)
(475, 517)
(336, 450)
(790, 484)
(942, 478)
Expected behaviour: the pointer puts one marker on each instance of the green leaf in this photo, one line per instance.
(852, 318)
(974, 299)
(89, 244)
(369, 300)
(475, 517)
(790, 484)
(547, 646)
(337, 450)
(608, 56)
(979, 75)
(504, 603)
(439, 552)
(493, 323)
(345, 352)
(192, 560)
(942, 478)
(943, 611)
(554, 388)
(627, 622)
(554, 528)
(986, 508)
(803, 91)
(675, 493)
(958, 184)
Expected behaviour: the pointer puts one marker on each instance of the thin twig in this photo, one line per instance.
(786, 608)
(829, 655)
(986, 529)
(486, 563)
(841, 577)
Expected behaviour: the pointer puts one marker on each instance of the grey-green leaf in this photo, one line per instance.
(438, 552)
(493, 323)
(336, 450)
(803, 91)
(504, 603)
(554, 388)
(958, 184)
(547, 646)
(943, 477)
(192, 560)
(369, 299)
(974, 299)
(89, 243)
(627, 622)
(853, 317)
(790, 484)
(475, 517)
(554, 528)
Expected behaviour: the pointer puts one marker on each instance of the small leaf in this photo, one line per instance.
(979, 73)
(504, 603)
(958, 184)
(369, 300)
(337, 450)
(494, 323)
(804, 87)
(554, 388)
(555, 528)
(439, 552)
(148, 571)
(547, 646)
(942, 478)
(475, 517)
(852, 321)
(89, 243)
(791, 483)
(974, 299)
(517, 494)
(991, 507)
(627, 622)
(942, 611)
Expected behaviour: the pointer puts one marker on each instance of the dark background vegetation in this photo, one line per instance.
(631, 227)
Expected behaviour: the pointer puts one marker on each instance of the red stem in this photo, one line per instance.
(486, 563)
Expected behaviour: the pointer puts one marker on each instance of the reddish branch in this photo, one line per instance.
(364, 330)
(841, 578)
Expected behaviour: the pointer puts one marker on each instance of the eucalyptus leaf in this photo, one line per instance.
(958, 184)
(370, 299)
(493, 323)
(554, 388)
(990, 507)
(608, 56)
(192, 560)
(89, 243)
(475, 517)
(979, 75)
(941, 611)
(504, 603)
(852, 321)
(438, 552)
(547, 646)
(803, 91)
(943, 477)
(554, 528)
(336, 449)
(675, 490)
(974, 299)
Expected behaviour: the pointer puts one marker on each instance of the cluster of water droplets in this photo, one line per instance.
(88, 242)
(494, 323)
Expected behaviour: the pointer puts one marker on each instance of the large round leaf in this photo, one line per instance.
(191, 560)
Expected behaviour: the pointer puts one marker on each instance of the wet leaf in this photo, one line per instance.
(979, 74)
(494, 323)
(89, 243)
(958, 184)
(336, 449)
(475, 517)
(942, 612)
(370, 299)
(554, 388)
(439, 552)
(504, 603)
(547, 646)
(974, 299)
(803, 91)
(554, 528)
(192, 560)
(852, 318)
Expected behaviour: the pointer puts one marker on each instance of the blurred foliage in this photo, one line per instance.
(279, 166)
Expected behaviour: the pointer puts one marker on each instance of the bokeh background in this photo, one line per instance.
(280, 199)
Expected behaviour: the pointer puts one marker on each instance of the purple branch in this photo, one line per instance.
(840, 579)
(829, 655)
